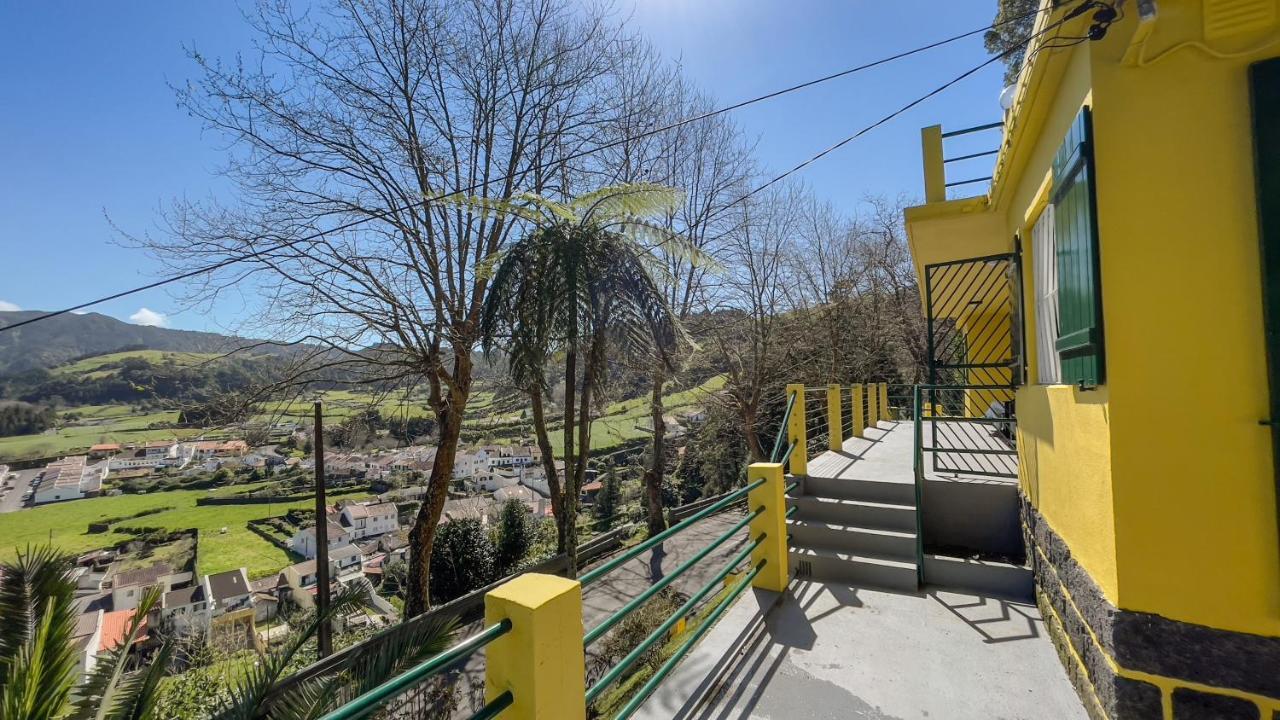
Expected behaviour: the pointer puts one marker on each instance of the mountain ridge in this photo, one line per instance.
(64, 338)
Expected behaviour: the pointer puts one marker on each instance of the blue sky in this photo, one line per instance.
(89, 129)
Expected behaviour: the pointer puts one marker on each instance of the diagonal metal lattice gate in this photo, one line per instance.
(973, 308)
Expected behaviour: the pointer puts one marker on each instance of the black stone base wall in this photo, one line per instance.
(1085, 625)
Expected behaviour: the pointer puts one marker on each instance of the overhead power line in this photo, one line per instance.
(583, 153)
(1075, 12)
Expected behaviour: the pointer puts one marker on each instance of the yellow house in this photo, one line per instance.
(1134, 212)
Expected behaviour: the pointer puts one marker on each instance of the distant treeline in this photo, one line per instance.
(136, 379)
(20, 418)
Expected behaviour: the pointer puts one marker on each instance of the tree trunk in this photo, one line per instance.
(573, 493)
(549, 466)
(653, 475)
(422, 537)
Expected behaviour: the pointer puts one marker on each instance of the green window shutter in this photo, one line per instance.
(1075, 227)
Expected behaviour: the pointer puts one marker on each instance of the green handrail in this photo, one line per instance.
(370, 701)
(655, 588)
(494, 707)
(729, 498)
(786, 417)
(917, 462)
(787, 456)
(647, 689)
(616, 671)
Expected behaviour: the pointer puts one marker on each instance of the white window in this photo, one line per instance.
(1045, 257)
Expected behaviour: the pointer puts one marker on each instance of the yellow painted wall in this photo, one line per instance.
(1195, 504)
(1064, 457)
(1161, 481)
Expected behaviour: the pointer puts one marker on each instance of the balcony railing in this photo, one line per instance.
(534, 670)
(936, 161)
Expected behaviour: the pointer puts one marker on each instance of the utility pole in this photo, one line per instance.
(325, 635)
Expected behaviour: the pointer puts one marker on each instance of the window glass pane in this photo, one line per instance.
(1045, 261)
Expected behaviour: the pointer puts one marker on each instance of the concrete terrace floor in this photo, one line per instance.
(829, 650)
(833, 651)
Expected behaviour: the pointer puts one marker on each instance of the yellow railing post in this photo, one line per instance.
(935, 173)
(797, 433)
(884, 402)
(873, 405)
(772, 523)
(859, 418)
(541, 659)
(835, 419)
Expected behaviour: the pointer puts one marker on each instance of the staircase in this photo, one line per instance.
(855, 531)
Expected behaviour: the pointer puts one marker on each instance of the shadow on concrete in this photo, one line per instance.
(996, 620)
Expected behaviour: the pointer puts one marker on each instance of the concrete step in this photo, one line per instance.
(871, 490)
(981, 577)
(896, 544)
(855, 569)
(861, 513)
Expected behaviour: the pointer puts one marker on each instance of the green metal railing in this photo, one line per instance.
(369, 702)
(596, 632)
(729, 498)
(661, 674)
(617, 671)
(782, 430)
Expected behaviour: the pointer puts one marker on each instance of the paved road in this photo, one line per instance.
(614, 590)
(11, 500)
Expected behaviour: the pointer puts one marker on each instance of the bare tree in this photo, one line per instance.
(748, 329)
(352, 120)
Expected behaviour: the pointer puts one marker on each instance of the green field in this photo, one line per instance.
(94, 366)
(108, 423)
(66, 524)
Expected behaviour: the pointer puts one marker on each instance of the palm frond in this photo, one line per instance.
(628, 200)
(26, 584)
(669, 242)
(554, 211)
(112, 692)
(43, 671)
(492, 207)
(248, 695)
(309, 700)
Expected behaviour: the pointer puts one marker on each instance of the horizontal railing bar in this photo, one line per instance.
(660, 632)
(494, 707)
(988, 421)
(368, 702)
(1009, 365)
(970, 156)
(786, 418)
(974, 129)
(730, 498)
(980, 473)
(968, 451)
(787, 455)
(596, 632)
(661, 673)
(793, 510)
(970, 181)
(791, 487)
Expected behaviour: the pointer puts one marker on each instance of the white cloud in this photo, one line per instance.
(149, 317)
(8, 306)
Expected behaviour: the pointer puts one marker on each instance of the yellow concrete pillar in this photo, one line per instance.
(541, 659)
(884, 402)
(935, 174)
(772, 523)
(797, 433)
(873, 405)
(835, 419)
(859, 418)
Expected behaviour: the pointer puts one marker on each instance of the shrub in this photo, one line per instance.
(514, 537)
(462, 560)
